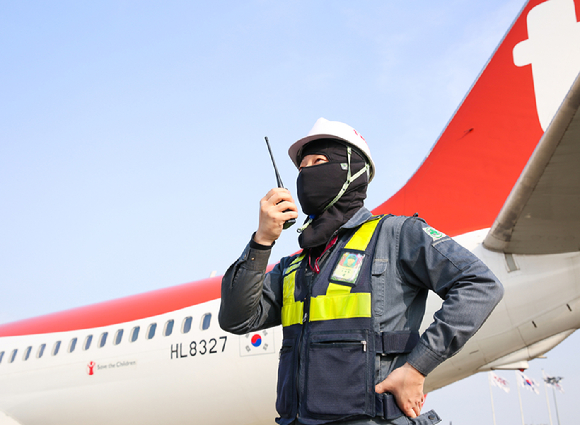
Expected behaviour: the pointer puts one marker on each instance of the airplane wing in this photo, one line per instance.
(542, 213)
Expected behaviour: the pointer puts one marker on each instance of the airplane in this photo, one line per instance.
(501, 180)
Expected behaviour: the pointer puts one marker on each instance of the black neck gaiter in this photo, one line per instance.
(319, 184)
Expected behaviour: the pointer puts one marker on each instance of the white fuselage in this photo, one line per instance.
(209, 376)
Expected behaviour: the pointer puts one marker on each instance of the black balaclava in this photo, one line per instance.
(318, 185)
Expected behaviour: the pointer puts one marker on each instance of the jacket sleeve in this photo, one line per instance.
(251, 299)
(470, 291)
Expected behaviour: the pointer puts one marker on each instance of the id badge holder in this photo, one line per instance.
(348, 268)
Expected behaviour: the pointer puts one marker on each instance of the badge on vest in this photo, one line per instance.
(348, 267)
(435, 234)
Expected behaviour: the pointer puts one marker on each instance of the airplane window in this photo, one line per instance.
(135, 334)
(13, 356)
(27, 353)
(55, 348)
(168, 328)
(72, 345)
(40, 351)
(186, 327)
(205, 321)
(118, 337)
(1, 356)
(103, 339)
(88, 341)
(151, 330)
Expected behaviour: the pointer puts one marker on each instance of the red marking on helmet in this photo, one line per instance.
(359, 135)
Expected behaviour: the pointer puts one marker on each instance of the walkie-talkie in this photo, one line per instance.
(290, 222)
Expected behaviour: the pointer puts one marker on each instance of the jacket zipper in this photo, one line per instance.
(363, 343)
(301, 339)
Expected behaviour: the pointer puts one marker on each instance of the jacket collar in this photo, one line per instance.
(361, 216)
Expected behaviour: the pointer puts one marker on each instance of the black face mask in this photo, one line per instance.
(318, 185)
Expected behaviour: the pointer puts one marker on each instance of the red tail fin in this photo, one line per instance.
(463, 183)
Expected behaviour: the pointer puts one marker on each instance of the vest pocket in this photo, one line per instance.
(286, 390)
(338, 375)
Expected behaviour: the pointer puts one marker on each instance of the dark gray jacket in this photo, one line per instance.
(411, 258)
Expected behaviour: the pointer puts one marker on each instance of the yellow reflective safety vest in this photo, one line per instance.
(337, 301)
(327, 361)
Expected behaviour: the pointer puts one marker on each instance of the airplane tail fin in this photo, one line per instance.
(464, 181)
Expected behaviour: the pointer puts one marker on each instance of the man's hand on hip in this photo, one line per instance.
(406, 385)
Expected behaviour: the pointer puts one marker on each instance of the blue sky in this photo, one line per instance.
(132, 151)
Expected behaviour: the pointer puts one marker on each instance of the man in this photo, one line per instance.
(352, 301)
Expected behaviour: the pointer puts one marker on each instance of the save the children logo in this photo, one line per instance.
(92, 366)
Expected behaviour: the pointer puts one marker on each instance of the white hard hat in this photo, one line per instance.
(324, 129)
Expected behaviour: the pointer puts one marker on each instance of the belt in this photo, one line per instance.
(396, 342)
